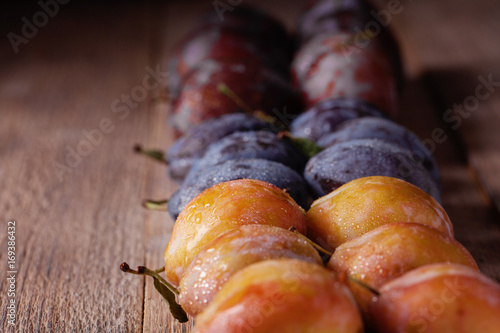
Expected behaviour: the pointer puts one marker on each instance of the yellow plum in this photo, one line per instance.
(439, 298)
(232, 251)
(281, 295)
(389, 251)
(221, 208)
(366, 203)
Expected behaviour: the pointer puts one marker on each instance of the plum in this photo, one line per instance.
(226, 43)
(354, 159)
(253, 23)
(331, 65)
(387, 130)
(221, 208)
(268, 171)
(251, 144)
(231, 252)
(259, 87)
(439, 298)
(281, 295)
(189, 148)
(355, 17)
(245, 34)
(366, 203)
(387, 252)
(324, 117)
(331, 16)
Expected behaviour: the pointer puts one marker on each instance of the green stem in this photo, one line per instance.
(159, 205)
(155, 154)
(364, 285)
(313, 244)
(166, 290)
(351, 40)
(225, 90)
(306, 146)
(266, 117)
(142, 270)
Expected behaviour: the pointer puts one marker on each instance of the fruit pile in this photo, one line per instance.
(332, 226)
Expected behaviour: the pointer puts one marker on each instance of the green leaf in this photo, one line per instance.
(169, 297)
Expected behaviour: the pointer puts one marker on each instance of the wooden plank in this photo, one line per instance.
(457, 47)
(72, 234)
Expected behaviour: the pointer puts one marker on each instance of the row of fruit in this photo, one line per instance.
(349, 73)
(241, 264)
(238, 257)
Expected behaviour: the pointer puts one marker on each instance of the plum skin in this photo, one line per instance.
(223, 207)
(200, 98)
(330, 65)
(387, 252)
(281, 295)
(438, 298)
(231, 252)
(259, 169)
(366, 203)
(326, 116)
(251, 144)
(346, 161)
(192, 146)
(386, 130)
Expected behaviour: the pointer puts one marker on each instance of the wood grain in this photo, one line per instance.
(456, 46)
(73, 233)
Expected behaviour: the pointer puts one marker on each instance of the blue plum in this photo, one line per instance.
(251, 144)
(259, 169)
(346, 161)
(387, 130)
(326, 116)
(192, 146)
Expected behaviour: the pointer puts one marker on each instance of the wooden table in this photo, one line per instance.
(72, 184)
